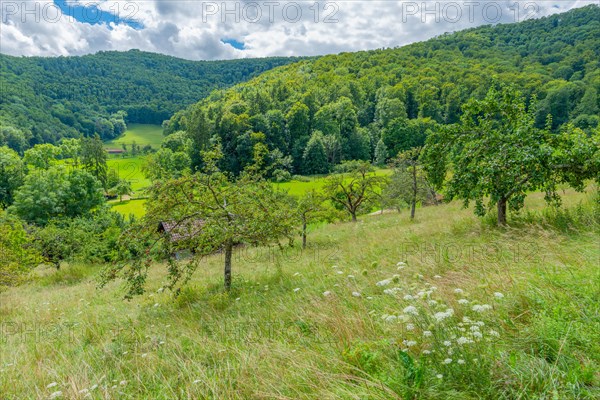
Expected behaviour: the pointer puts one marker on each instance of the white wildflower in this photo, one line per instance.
(463, 301)
(498, 295)
(426, 352)
(340, 272)
(160, 290)
(156, 305)
(51, 385)
(384, 282)
(481, 307)
(474, 328)
(401, 264)
(458, 291)
(391, 318)
(427, 333)
(369, 297)
(461, 361)
(123, 383)
(408, 297)
(439, 376)
(356, 294)
(409, 343)
(432, 302)
(297, 289)
(197, 381)
(437, 277)
(447, 361)
(447, 343)
(144, 355)
(93, 387)
(350, 276)
(410, 327)
(326, 293)
(477, 334)
(411, 310)
(463, 340)
(55, 395)
(494, 333)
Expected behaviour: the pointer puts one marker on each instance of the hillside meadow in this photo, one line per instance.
(445, 307)
(141, 134)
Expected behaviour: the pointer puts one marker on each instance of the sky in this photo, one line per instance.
(209, 30)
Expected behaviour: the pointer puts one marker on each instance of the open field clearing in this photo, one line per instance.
(141, 134)
(445, 307)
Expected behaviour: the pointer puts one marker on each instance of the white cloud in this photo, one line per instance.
(195, 29)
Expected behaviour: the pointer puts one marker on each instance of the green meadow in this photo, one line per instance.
(142, 134)
(444, 307)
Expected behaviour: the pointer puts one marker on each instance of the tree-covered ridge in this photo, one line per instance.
(338, 107)
(46, 98)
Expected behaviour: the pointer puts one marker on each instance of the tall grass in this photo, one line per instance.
(362, 313)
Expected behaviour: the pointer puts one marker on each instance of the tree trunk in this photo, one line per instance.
(502, 212)
(228, 252)
(413, 204)
(303, 234)
(353, 216)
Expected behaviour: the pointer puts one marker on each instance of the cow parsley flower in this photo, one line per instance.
(447, 343)
(481, 307)
(498, 295)
(51, 385)
(447, 361)
(427, 333)
(410, 327)
(458, 291)
(494, 333)
(390, 318)
(409, 343)
(408, 297)
(439, 376)
(461, 361)
(384, 282)
(326, 293)
(463, 301)
(356, 294)
(411, 310)
(463, 340)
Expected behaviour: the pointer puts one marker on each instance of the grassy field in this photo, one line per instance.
(130, 169)
(445, 307)
(128, 207)
(299, 187)
(142, 134)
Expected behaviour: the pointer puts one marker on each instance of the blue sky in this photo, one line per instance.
(91, 14)
(206, 29)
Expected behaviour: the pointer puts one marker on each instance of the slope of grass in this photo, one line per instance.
(142, 134)
(128, 207)
(130, 169)
(362, 313)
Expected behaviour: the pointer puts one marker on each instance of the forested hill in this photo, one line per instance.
(344, 104)
(46, 98)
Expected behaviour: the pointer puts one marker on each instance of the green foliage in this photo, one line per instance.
(355, 188)
(56, 193)
(381, 153)
(314, 160)
(408, 184)
(17, 254)
(93, 159)
(205, 212)
(70, 96)
(91, 239)
(497, 154)
(12, 173)
(401, 94)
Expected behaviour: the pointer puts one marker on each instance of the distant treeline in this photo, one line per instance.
(374, 104)
(45, 99)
